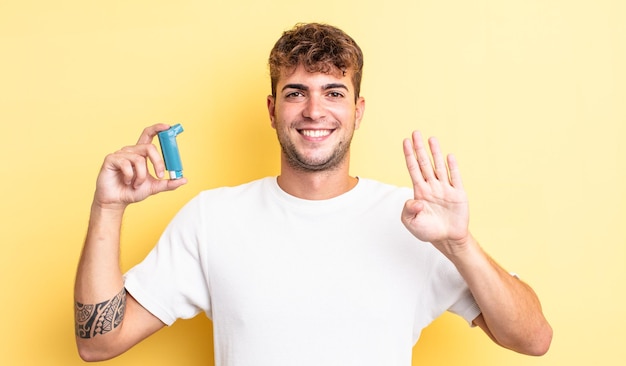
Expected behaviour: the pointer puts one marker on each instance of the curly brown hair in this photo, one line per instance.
(319, 48)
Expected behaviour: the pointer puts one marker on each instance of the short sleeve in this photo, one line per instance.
(171, 281)
(449, 292)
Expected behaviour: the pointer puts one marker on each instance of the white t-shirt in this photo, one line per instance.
(288, 281)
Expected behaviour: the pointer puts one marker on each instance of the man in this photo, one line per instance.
(313, 267)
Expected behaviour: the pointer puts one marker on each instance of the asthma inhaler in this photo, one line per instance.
(169, 148)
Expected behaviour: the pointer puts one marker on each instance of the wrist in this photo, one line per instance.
(101, 204)
(458, 249)
(105, 211)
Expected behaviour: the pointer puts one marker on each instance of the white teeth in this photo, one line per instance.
(316, 133)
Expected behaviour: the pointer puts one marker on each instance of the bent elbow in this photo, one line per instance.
(89, 353)
(88, 356)
(542, 343)
(537, 344)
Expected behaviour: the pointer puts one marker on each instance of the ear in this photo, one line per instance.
(271, 109)
(358, 112)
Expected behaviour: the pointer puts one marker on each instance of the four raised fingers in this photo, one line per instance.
(419, 164)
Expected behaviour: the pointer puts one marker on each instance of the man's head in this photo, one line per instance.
(318, 48)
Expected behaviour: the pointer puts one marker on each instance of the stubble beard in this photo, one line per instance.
(298, 161)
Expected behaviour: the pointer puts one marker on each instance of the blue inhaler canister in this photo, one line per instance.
(169, 148)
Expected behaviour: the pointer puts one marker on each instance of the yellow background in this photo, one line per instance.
(529, 94)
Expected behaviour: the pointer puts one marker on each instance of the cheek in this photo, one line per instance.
(346, 115)
(285, 115)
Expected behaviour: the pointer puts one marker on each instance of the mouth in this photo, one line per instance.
(315, 133)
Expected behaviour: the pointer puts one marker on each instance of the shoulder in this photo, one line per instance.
(220, 203)
(374, 188)
(232, 192)
(381, 198)
(225, 198)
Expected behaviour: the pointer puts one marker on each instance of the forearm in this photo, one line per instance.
(100, 299)
(99, 276)
(510, 308)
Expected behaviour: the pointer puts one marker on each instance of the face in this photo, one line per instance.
(315, 115)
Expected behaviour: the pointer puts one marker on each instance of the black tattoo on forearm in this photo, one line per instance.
(91, 320)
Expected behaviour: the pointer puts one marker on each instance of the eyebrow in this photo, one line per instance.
(324, 87)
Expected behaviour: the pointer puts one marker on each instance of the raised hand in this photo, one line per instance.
(439, 211)
(125, 177)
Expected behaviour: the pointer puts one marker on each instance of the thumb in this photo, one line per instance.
(164, 185)
(412, 208)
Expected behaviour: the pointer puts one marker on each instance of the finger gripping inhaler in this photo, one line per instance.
(169, 148)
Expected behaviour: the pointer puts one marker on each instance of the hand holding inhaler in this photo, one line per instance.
(169, 149)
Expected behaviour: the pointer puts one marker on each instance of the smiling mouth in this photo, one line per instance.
(315, 133)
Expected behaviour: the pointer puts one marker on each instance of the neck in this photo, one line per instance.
(316, 185)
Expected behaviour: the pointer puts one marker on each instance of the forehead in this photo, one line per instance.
(299, 75)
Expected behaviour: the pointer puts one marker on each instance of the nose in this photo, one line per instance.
(314, 108)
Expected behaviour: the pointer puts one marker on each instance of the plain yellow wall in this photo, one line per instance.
(529, 94)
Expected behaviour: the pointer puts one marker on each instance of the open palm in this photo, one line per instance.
(439, 211)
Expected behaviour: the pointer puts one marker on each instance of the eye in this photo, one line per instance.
(335, 94)
(294, 94)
